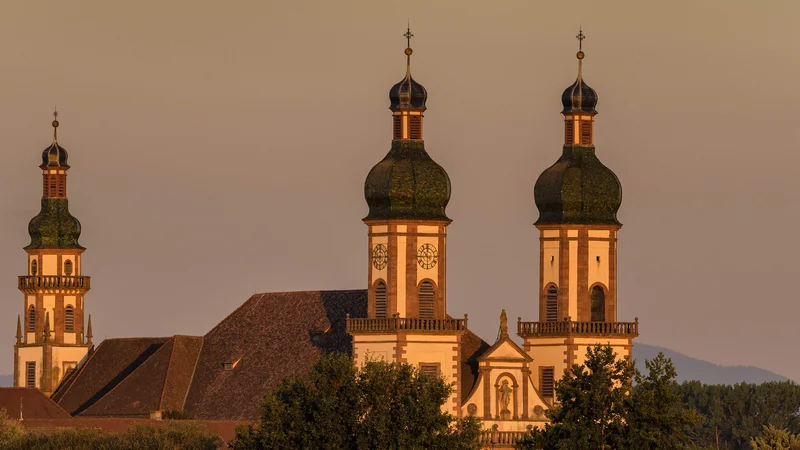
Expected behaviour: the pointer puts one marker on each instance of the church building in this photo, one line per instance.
(402, 315)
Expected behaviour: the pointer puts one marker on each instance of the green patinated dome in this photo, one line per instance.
(54, 226)
(407, 184)
(578, 189)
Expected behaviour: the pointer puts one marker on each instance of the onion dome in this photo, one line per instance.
(407, 184)
(578, 188)
(54, 226)
(407, 93)
(54, 155)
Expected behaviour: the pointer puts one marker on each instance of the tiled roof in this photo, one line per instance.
(160, 382)
(266, 339)
(225, 374)
(34, 404)
(110, 363)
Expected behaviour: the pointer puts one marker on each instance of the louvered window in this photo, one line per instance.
(598, 304)
(426, 296)
(586, 132)
(548, 382)
(397, 127)
(551, 304)
(30, 374)
(69, 319)
(415, 127)
(68, 267)
(31, 319)
(431, 370)
(569, 131)
(34, 267)
(380, 300)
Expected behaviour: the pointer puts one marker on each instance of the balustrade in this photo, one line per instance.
(570, 328)
(392, 324)
(36, 282)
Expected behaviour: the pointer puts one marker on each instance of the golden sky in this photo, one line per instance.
(220, 148)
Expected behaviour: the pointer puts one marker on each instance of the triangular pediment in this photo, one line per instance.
(505, 349)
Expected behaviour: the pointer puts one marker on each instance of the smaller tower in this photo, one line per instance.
(54, 287)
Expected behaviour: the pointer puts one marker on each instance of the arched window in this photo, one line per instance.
(380, 299)
(69, 319)
(31, 319)
(598, 304)
(426, 295)
(551, 304)
(68, 267)
(34, 267)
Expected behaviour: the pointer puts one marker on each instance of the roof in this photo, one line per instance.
(54, 226)
(29, 403)
(225, 374)
(268, 338)
(407, 184)
(106, 367)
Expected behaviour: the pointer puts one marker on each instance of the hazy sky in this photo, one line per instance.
(220, 148)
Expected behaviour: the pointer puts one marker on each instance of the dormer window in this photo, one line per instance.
(227, 366)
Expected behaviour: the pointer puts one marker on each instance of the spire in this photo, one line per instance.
(55, 126)
(503, 325)
(19, 330)
(47, 327)
(408, 50)
(580, 55)
(89, 331)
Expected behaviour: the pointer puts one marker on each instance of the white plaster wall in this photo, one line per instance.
(69, 338)
(573, 279)
(28, 354)
(550, 269)
(598, 271)
(49, 306)
(401, 272)
(378, 274)
(49, 265)
(64, 354)
(428, 229)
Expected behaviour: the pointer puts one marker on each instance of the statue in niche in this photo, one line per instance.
(505, 400)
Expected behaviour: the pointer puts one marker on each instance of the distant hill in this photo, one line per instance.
(6, 380)
(709, 373)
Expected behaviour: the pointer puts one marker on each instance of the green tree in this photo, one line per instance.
(656, 417)
(380, 406)
(591, 406)
(776, 439)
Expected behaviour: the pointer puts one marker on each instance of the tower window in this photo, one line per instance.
(598, 304)
(30, 374)
(397, 127)
(426, 296)
(31, 319)
(569, 131)
(551, 304)
(429, 369)
(548, 382)
(34, 267)
(415, 127)
(380, 299)
(69, 319)
(586, 132)
(68, 267)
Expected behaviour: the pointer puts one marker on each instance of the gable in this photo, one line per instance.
(505, 349)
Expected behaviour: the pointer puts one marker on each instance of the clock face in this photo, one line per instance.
(427, 256)
(380, 257)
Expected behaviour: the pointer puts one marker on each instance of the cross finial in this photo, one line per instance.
(55, 112)
(408, 35)
(580, 38)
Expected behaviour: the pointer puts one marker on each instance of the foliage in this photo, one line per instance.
(776, 439)
(380, 406)
(733, 415)
(656, 417)
(598, 408)
(174, 414)
(170, 436)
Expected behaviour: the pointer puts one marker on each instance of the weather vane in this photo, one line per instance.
(408, 34)
(55, 113)
(580, 38)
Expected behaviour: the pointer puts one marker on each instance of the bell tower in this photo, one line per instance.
(51, 338)
(578, 198)
(407, 193)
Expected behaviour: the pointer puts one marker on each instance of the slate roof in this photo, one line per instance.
(34, 403)
(224, 374)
